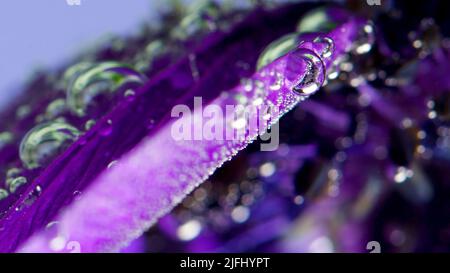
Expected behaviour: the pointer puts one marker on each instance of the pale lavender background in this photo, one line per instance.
(44, 33)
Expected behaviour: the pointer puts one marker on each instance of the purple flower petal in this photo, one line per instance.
(154, 171)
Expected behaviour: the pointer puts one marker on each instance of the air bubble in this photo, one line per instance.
(317, 20)
(365, 40)
(16, 183)
(5, 139)
(3, 194)
(328, 43)
(44, 142)
(102, 78)
(306, 71)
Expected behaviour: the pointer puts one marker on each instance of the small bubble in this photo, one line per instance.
(143, 60)
(5, 139)
(112, 164)
(240, 214)
(55, 109)
(328, 50)
(23, 111)
(89, 124)
(3, 194)
(16, 182)
(107, 129)
(432, 114)
(189, 230)
(77, 194)
(299, 200)
(365, 40)
(58, 243)
(200, 17)
(267, 169)
(129, 93)
(402, 174)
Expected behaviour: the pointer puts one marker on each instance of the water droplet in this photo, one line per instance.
(151, 124)
(328, 43)
(55, 109)
(112, 164)
(33, 196)
(143, 61)
(45, 141)
(3, 194)
(16, 182)
(317, 20)
(107, 129)
(311, 69)
(88, 125)
(13, 172)
(102, 78)
(276, 49)
(200, 17)
(30, 199)
(129, 93)
(365, 40)
(23, 111)
(73, 72)
(52, 225)
(5, 139)
(189, 230)
(402, 174)
(241, 99)
(240, 214)
(193, 66)
(267, 169)
(277, 83)
(247, 83)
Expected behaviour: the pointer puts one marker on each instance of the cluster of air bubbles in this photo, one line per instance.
(426, 38)
(199, 17)
(83, 82)
(218, 205)
(52, 135)
(311, 52)
(14, 180)
(30, 198)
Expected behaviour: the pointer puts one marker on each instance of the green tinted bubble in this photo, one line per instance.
(105, 77)
(316, 20)
(44, 142)
(276, 49)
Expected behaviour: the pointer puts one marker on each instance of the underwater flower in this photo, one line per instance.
(91, 162)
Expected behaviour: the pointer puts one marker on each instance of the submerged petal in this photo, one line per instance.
(157, 174)
(128, 170)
